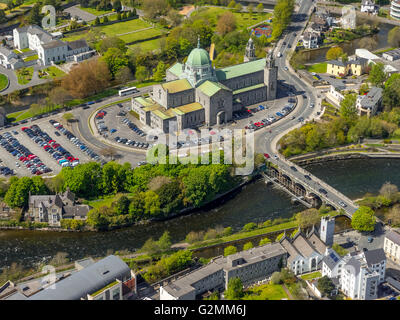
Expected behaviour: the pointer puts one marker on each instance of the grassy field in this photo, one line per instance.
(30, 58)
(311, 276)
(54, 72)
(318, 67)
(148, 45)
(24, 78)
(3, 81)
(94, 11)
(267, 292)
(243, 19)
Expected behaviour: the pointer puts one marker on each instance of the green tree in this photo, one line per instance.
(227, 231)
(160, 71)
(264, 241)
(260, 8)
(307, 218)
(276, 278)
(250, 8)
(238, 7)
(97, 21)
(34, 16)
(17, 194)
(121, 205)
(230, 250)
(334, 53)
(348, 109)
(234, 290)
(247, 246)
(363, 219)
(96, 219)
(325, 285)
(393, 37)
(232, 4)
(164, 243)
(141, 73)
(377, 75)
(249, 226)
(117, 5)
(115, 59)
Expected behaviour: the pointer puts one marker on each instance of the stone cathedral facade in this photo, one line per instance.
(197, 94)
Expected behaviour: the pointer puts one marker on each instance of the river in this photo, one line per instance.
(256, 203)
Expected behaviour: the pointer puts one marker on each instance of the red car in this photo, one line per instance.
(266, 155)
(24, 128)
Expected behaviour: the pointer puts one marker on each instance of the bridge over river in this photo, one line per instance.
(307, 188)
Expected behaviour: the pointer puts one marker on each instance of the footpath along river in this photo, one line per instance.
(256, 203)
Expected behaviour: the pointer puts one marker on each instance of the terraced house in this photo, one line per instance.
(198, 94)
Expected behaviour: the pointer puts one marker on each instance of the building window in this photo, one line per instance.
(116, 294)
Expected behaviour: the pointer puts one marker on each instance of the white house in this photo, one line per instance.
(8, 58)
(305, 252)
(49, 47)
(358, 273)
(310, 40)
(392, 246)
(369, 6)
(335, 94)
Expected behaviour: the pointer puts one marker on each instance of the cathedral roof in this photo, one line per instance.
(210, 87)
(198, 57)
(177, 85)
(240, 69)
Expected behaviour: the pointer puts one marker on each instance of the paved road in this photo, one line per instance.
(307, 96)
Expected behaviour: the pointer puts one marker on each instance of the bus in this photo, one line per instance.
(126, 91)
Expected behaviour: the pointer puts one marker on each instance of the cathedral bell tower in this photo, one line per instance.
(271, 76)
(250, 53)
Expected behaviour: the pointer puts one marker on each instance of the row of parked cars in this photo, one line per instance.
(63, 157)
(271, 119)
(78, 143)
(132, 143)
(23, 154)
(133, 127)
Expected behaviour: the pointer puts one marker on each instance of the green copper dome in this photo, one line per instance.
(198, 57)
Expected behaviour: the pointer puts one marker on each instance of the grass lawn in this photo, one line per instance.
(266, 292)
(145, 34)
(14, 116)
(243, 19)
(24, 78)
(318, 67)
(53, 72)
(3, 81)
(31, 58)
(311, 276)
(94, 11)
(149, 45)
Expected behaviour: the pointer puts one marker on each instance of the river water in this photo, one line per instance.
(256, 203)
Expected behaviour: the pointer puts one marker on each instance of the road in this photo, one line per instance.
(308, 104)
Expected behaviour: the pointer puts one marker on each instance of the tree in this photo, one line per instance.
(264, 241)
(105, 19)
(154, 8)
(17, 194)
(367, 43)
(248, 246)
(339, 249)
(325, 285)
(88, 78)
(260, 8)
(97, 21)
(393, 37)
(234, 290)
(276, 278)
(363, 219)
(226, 23)
(141, 73)
(117, 5)
(307, 218)
(160, 71)
(250, 8)
(249, 226)
(348, 109)
(69, 117)
(110, 42)
(115, 59)
(164, 243)
(282, 16)
(59, 95)
(334, 53)
(174, 17)
(389, 191)
(238, 7)
(121, 205)
(124, 75)
(377, 75)
(34, 16)
(232, 4)
(230, 250)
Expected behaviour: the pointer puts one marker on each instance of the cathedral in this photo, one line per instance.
(197, 94)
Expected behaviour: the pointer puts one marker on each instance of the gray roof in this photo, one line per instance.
(43, 35)
(394, 236)
(86, 281)
(329, 261)
(394, 283)
(45, 200)
(76, 211)
(337, 63)
(353, 262)
(54, 44)
(371, 98)
(7, 52)
(374, 256)
(77, 44)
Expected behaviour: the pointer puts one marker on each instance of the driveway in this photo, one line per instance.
(75, 11)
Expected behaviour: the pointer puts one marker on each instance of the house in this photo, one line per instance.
(249, 265)
(6, 212)
(310, 40)
(9, 59)
(335, 93)
(389, 68)
(369, 103)
(305, 252)
(392, 55)
(369, 6)
(53, 208)
(49, 47)
(358, 273)
(392, 246)
(340, 68)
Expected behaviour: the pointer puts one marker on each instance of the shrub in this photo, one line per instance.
(264, 241)
(249, 226)
(230, 250)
